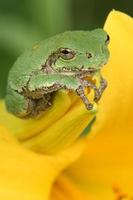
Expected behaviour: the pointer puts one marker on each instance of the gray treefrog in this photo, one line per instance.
(60, 62)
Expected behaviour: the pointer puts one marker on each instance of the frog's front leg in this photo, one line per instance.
(97, 91)
(81, 93)
(100, 90)
(86, 83)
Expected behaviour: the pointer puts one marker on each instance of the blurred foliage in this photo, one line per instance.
(23, 23)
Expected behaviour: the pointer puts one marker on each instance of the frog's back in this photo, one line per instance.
(32, 59)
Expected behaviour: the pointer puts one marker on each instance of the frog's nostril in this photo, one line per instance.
(89, 55)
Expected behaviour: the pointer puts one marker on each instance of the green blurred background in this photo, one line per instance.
(23, 23)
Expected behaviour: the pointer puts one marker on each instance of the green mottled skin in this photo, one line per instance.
(27, 74)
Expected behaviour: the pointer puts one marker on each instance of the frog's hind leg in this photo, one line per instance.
(18, 104)
(25, 107)
(41, 105)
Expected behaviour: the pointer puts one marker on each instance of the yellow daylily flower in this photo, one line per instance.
(26, 175)
(59, 127)
(104, 171)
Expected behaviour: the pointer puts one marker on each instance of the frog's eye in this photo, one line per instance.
(66, 53)
(107, 40)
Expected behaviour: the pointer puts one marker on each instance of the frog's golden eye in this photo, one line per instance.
(66, 53)
(107, 40)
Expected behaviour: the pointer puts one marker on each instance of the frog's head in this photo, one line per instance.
(81, 51)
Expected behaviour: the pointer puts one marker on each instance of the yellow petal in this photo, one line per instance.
(23, 129)
(63, 189)
(56, 129)
(116, 106)
(106, 169)
(25, 175)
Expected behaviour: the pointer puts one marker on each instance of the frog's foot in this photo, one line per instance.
(86, 83)
(100, 90)
(80, 92)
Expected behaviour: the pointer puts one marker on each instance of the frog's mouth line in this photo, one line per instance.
(78, 71)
